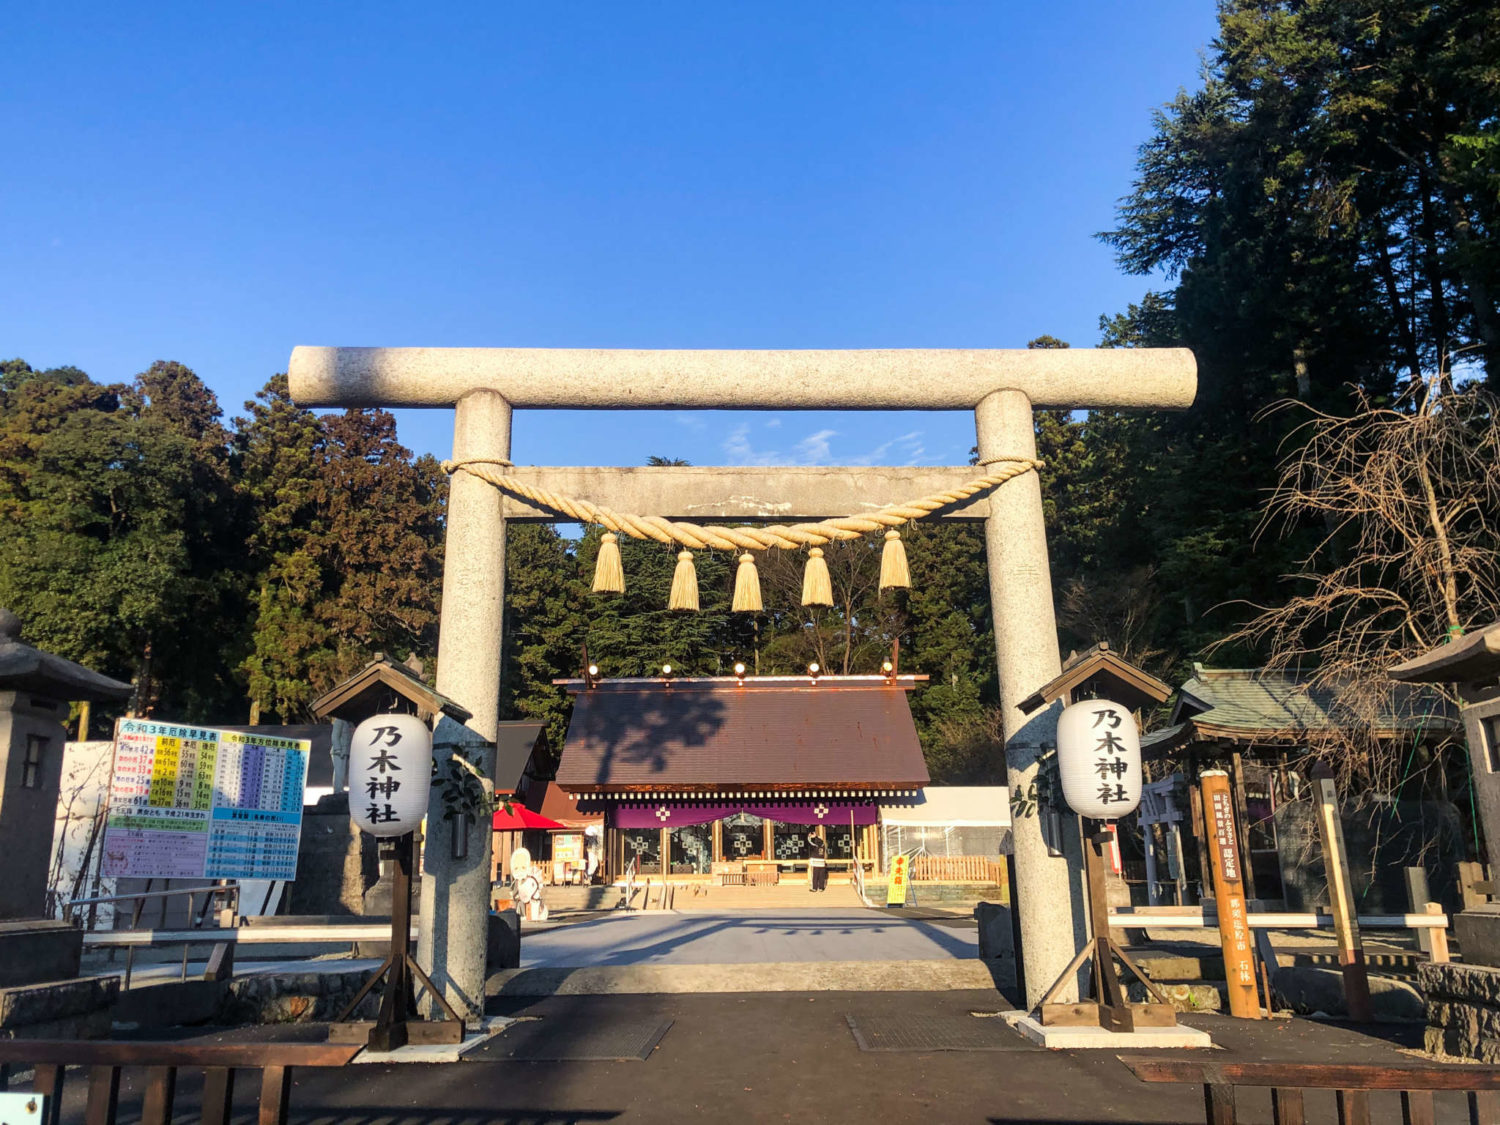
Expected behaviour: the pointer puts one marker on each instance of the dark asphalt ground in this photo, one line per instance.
(770, 1057)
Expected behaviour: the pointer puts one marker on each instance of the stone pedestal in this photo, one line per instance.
(1478, 932)
(1463, 1010)
(31, 753)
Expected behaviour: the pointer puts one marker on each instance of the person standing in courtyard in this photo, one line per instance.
(817, 862)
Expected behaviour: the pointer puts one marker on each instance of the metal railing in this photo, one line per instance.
(229, 912)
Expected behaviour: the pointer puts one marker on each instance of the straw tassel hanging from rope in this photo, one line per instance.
(684, 583)
(609, 572)
(817, 588)
(894, 573)
(747, 586)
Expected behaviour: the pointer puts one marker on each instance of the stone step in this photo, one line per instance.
(778, 976)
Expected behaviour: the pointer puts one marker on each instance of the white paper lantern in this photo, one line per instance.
(390, 772)
(1099, 759)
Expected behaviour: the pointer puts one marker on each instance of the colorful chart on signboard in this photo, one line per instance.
(192, 802)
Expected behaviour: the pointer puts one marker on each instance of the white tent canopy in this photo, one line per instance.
(954, 806)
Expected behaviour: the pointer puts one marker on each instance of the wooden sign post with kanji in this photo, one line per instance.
(1229, 895)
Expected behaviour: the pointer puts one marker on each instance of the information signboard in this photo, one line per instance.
(900, 880)
(1229, 895)
(189, 802)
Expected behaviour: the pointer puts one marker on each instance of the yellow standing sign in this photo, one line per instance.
(895, 891)
(1229, 895)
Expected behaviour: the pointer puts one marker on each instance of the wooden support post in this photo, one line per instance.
(275, 1094)
(1286, 1106)
(218, 1095)
(104, 1095)
(1218, 1104)
(1341, 901)
(1227, 870)
(49, 1083)
(1416, 1107)
(1242, 823)
(1438, 938)
(1200, 838)
(161, 1088)
(1417, 898)
(1353, 1107)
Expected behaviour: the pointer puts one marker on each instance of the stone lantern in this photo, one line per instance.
(35, 690)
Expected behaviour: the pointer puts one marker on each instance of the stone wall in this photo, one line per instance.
(1382, 841)
(1463, 1010)
(336, 863)
(295, 998)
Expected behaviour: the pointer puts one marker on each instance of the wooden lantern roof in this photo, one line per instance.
(381, 687)
(1100, 673)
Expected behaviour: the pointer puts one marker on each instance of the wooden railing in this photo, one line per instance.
(956, 869)
(1352, 1086)
(162, 1060)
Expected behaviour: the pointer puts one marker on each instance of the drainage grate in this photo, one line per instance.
(558, 1040)
(934, 1033)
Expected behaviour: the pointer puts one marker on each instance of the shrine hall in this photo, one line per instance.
(731, 776)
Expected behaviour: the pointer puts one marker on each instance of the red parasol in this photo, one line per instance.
(521, 817)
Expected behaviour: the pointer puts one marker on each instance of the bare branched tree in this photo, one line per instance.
(1407, 500)
(855, 634)
(1120, 611)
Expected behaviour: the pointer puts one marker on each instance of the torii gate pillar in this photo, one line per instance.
(1015, 538)
(468, 669)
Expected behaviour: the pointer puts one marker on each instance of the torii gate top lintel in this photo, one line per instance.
(853, 379)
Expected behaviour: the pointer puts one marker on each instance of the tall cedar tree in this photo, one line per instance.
(346, 533)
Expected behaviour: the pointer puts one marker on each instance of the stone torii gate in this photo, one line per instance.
(1002, 387)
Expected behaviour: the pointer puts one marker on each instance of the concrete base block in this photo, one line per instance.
(1087, 1038)
(32, 952)
(490, 1027)
(504, 947)
(37, 1003)
(1478, 932)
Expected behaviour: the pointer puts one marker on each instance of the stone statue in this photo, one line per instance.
(527, 887)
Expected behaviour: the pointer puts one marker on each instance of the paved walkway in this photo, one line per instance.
(748, 937)
(792, 1057)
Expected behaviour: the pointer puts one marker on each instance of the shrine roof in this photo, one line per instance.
(1255, 706)
(514, 744)
(546, 798)
(724, 734)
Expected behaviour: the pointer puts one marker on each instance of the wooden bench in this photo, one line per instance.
(161, 1060)
(1352, 1086)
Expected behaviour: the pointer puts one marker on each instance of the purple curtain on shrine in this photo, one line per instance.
(665, 814)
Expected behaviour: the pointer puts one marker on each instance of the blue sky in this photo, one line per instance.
(218, 183)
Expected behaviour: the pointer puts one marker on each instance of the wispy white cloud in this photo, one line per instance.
(904, 450)
(690, 421)
(817, 449)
